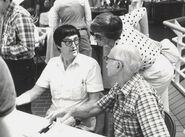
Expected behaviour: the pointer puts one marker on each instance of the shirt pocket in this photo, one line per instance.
(79, 91)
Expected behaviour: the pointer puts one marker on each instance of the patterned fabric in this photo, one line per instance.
(148, 48)
(137, 111)
(18, 40)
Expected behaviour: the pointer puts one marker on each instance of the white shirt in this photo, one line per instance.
(70, 87)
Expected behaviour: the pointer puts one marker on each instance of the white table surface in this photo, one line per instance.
(31, 124)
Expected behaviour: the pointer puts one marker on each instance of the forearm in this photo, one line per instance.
(29, 95)
(89, 108)
(144, 25)
(86, 111)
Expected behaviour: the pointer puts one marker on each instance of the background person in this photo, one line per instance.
(73, 79)
(73, 12)
(137, 110)
(17, 46)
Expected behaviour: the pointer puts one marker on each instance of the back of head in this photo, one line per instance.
(63, 31)
(108, 24)
(130, 57)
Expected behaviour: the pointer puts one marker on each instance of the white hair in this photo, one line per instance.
(129, 56)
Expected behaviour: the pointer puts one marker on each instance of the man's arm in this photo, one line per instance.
(30, 95)
(87, 109)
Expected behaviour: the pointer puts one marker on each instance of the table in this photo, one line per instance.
(31, 124)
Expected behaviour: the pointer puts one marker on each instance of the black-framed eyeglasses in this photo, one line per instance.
(69, 42)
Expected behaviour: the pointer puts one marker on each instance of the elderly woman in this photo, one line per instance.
(137, 110)
(73, 12)
(73, 79)
(110, 30)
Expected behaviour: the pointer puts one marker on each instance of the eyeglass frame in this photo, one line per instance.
(106, 58)
(71, 42)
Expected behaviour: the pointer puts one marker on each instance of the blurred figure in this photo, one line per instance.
(73, 12)
(7, 102)
(18, 45)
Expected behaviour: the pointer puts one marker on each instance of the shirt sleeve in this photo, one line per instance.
(133, 17)
(44, 79)
(107, 101)
(149, 116)
(94, 79)
(24, 27)
(7, 90)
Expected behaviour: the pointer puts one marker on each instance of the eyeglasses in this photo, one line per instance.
(69, 42)
(106, 58)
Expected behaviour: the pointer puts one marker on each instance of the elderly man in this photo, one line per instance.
(17, 45)
(110, 30)
(137, 110)
(73, 79)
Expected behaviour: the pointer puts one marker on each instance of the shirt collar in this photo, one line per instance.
(127, 87)
(76, 61)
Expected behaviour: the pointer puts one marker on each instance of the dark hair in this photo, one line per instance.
(63, 31)
(108, 24)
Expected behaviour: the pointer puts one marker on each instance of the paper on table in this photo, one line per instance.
(30, 124)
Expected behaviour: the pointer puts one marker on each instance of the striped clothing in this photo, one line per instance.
(18, 42)
(137, 111)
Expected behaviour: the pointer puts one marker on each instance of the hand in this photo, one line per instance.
(56, 114)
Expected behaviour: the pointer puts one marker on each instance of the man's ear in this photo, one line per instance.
(119, 65)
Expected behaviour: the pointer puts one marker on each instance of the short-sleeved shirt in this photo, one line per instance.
(70, 87)
(137, 110)
(149, 49)
(7, 90)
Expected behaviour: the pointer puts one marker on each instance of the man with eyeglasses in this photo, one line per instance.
(137, 110)
(110, 30)
(73, 79)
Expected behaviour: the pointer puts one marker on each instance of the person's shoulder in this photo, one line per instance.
(54, 60)
(87, 59)
(20, 10)
(143, 87)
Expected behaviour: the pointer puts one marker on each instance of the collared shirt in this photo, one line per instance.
(149, 49)
(70, 87)
(18, 40)
(137, 110)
